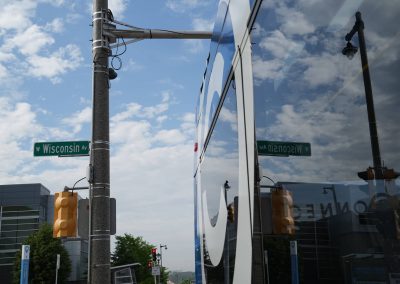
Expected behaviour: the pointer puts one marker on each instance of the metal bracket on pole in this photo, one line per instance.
(136, 34)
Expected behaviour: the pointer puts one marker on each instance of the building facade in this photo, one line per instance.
(282, 107)
(23, 208)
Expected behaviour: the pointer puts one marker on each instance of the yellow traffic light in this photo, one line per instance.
(65, 214)
(231, 213)
(282, 211)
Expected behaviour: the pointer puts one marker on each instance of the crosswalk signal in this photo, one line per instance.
(65, 214)
(282, 211)
(154, 254)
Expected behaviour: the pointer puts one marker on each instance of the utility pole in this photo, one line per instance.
(99, 168)
(104, 34)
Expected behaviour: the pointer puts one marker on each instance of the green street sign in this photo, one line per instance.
(66, 148)
(285, 149)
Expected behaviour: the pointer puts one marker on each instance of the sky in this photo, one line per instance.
(46, 96)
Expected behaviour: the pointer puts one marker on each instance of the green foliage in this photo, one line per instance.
(130, 249)
(43, 258)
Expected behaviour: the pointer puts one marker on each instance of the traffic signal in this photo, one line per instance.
(282, 212)
(231, 213)
(149, 264)
(65, 214)
(367, 175)
(154, 254)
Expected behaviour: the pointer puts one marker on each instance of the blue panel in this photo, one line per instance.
(197, 248)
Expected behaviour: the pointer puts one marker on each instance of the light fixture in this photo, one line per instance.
(112, 74)
(349, 50)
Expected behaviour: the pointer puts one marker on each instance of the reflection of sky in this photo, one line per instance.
(222, 42)
(221, 159)
(307, 91)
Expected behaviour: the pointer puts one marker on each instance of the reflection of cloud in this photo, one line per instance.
(279, 45)
(229, 116)
(321, 70)
(268, 69)
(293, 21)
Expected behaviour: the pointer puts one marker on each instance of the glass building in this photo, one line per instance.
(23, 207)
(281, 108)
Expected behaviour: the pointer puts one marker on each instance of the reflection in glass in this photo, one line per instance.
(220, 171)
(305, 90)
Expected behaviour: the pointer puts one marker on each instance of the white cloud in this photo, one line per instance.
(173, 136)
(132, 109)
(64, 59)
(29, 42)
(55, 26)
(3, 71)
(194, 45)
(78, 119)
(182, 6)
(22, 119)
(16, 14)
(201, 24)
(117, 7)
(188, 125)
(131, 65)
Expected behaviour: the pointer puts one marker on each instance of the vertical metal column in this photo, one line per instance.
(376, 155)
(99, 235)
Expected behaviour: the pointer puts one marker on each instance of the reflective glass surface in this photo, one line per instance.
(219, 179)
(308, 93)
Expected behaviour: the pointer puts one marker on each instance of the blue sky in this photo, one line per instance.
(46, 79)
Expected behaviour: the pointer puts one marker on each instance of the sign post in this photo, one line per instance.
(294, 262)
(24, 265)
(57, 267)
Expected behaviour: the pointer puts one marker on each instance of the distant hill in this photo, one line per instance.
(179, 276)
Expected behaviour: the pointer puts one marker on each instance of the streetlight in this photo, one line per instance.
(161, 247)
(349, 51)
(332, 188)
(378, 171)
(226, 254)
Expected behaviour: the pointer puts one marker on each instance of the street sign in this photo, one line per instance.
(294, 262)
(24, 264)
(155, 270)
(285, 149)
(66, 148)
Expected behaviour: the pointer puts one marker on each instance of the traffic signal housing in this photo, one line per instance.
(65, 214)
(154, 254)
(282, 211)
(231, 213)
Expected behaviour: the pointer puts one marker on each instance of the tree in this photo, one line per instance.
(130, 249)
(43, 258)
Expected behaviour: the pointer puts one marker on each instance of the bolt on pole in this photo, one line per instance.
(99, 235)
